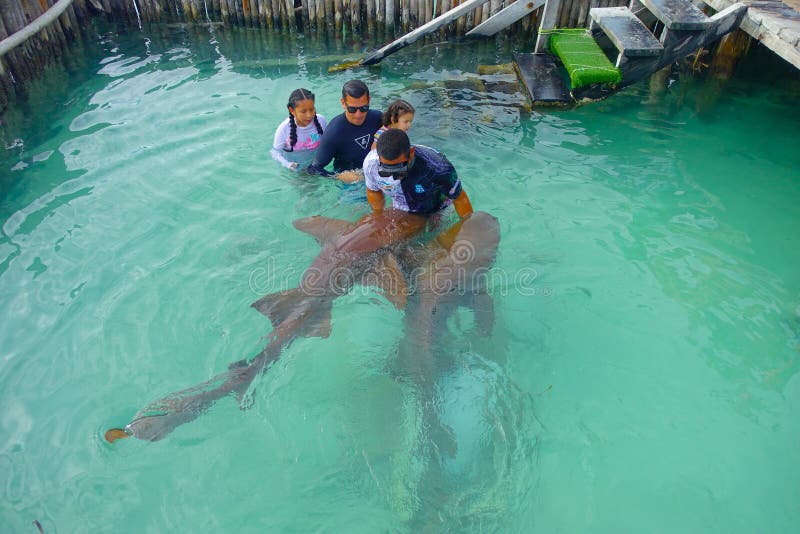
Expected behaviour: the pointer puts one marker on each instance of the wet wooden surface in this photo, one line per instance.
(773, 22)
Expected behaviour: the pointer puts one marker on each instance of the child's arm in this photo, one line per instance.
(277, 155)
(281, 136)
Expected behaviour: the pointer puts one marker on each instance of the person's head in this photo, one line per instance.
(301, 107)
(355, 101)
(395, 154)
(301, 113)
(399, 114)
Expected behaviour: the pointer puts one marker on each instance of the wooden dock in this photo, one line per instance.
(775, 23)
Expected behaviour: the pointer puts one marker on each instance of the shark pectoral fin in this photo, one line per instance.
(483, 306)
(319, 325)
(387, 276)
(448, 237)
(323, 229)
(277, 306)
(113, 434)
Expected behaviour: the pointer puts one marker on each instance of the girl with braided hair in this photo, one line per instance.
(298, 136)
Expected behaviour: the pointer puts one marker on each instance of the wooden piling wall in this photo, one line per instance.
(379, 20)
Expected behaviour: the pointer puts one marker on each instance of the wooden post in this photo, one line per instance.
(572, 20)
(355, 15)
(337, 16)
(729, 51)
(478, 16)
(461, 22)
(658, 85)
(563, 17)
(549, 21)
(445, 31)
(389, 18)
(311, 9)
(320, 15)
(371, 17)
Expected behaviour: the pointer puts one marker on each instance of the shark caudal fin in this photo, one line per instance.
(322, 228)
(315, 320)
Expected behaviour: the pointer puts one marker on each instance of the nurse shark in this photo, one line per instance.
(359, 252)
(450, 272)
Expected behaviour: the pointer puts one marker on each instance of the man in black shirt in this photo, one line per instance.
(348, 138)
(418, 179)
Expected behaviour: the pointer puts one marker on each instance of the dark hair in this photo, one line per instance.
(393, 143)
(355, 89)
(395, 110)
(298, 95)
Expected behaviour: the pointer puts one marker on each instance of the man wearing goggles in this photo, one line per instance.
(348, 137)
(418, 179)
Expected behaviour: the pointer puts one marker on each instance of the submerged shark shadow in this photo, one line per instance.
(360, 252)
(446, 274)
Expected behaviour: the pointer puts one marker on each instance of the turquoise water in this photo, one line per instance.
(642, 374)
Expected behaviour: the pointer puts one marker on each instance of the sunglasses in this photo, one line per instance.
(398, 170)
(353, 109)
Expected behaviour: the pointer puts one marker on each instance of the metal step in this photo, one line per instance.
(628, 33)
(677, 14)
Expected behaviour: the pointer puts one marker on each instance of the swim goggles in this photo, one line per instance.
(397, 170)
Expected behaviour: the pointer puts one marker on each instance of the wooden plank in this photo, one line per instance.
(505, 18)
(422, 31)
(677, 14)
(773, 23)
(629, 35)
(541, 77)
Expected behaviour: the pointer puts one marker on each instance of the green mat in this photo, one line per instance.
(582, 57)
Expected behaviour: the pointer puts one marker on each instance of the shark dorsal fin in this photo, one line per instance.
(277, 306)
(322, 228)
(388, 277)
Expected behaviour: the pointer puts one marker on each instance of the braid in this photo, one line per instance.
(298, 95)
(292, 133)
(317, 124)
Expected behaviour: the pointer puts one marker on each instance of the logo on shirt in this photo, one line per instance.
(363, 141)
(387, 184)
(419, 189)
